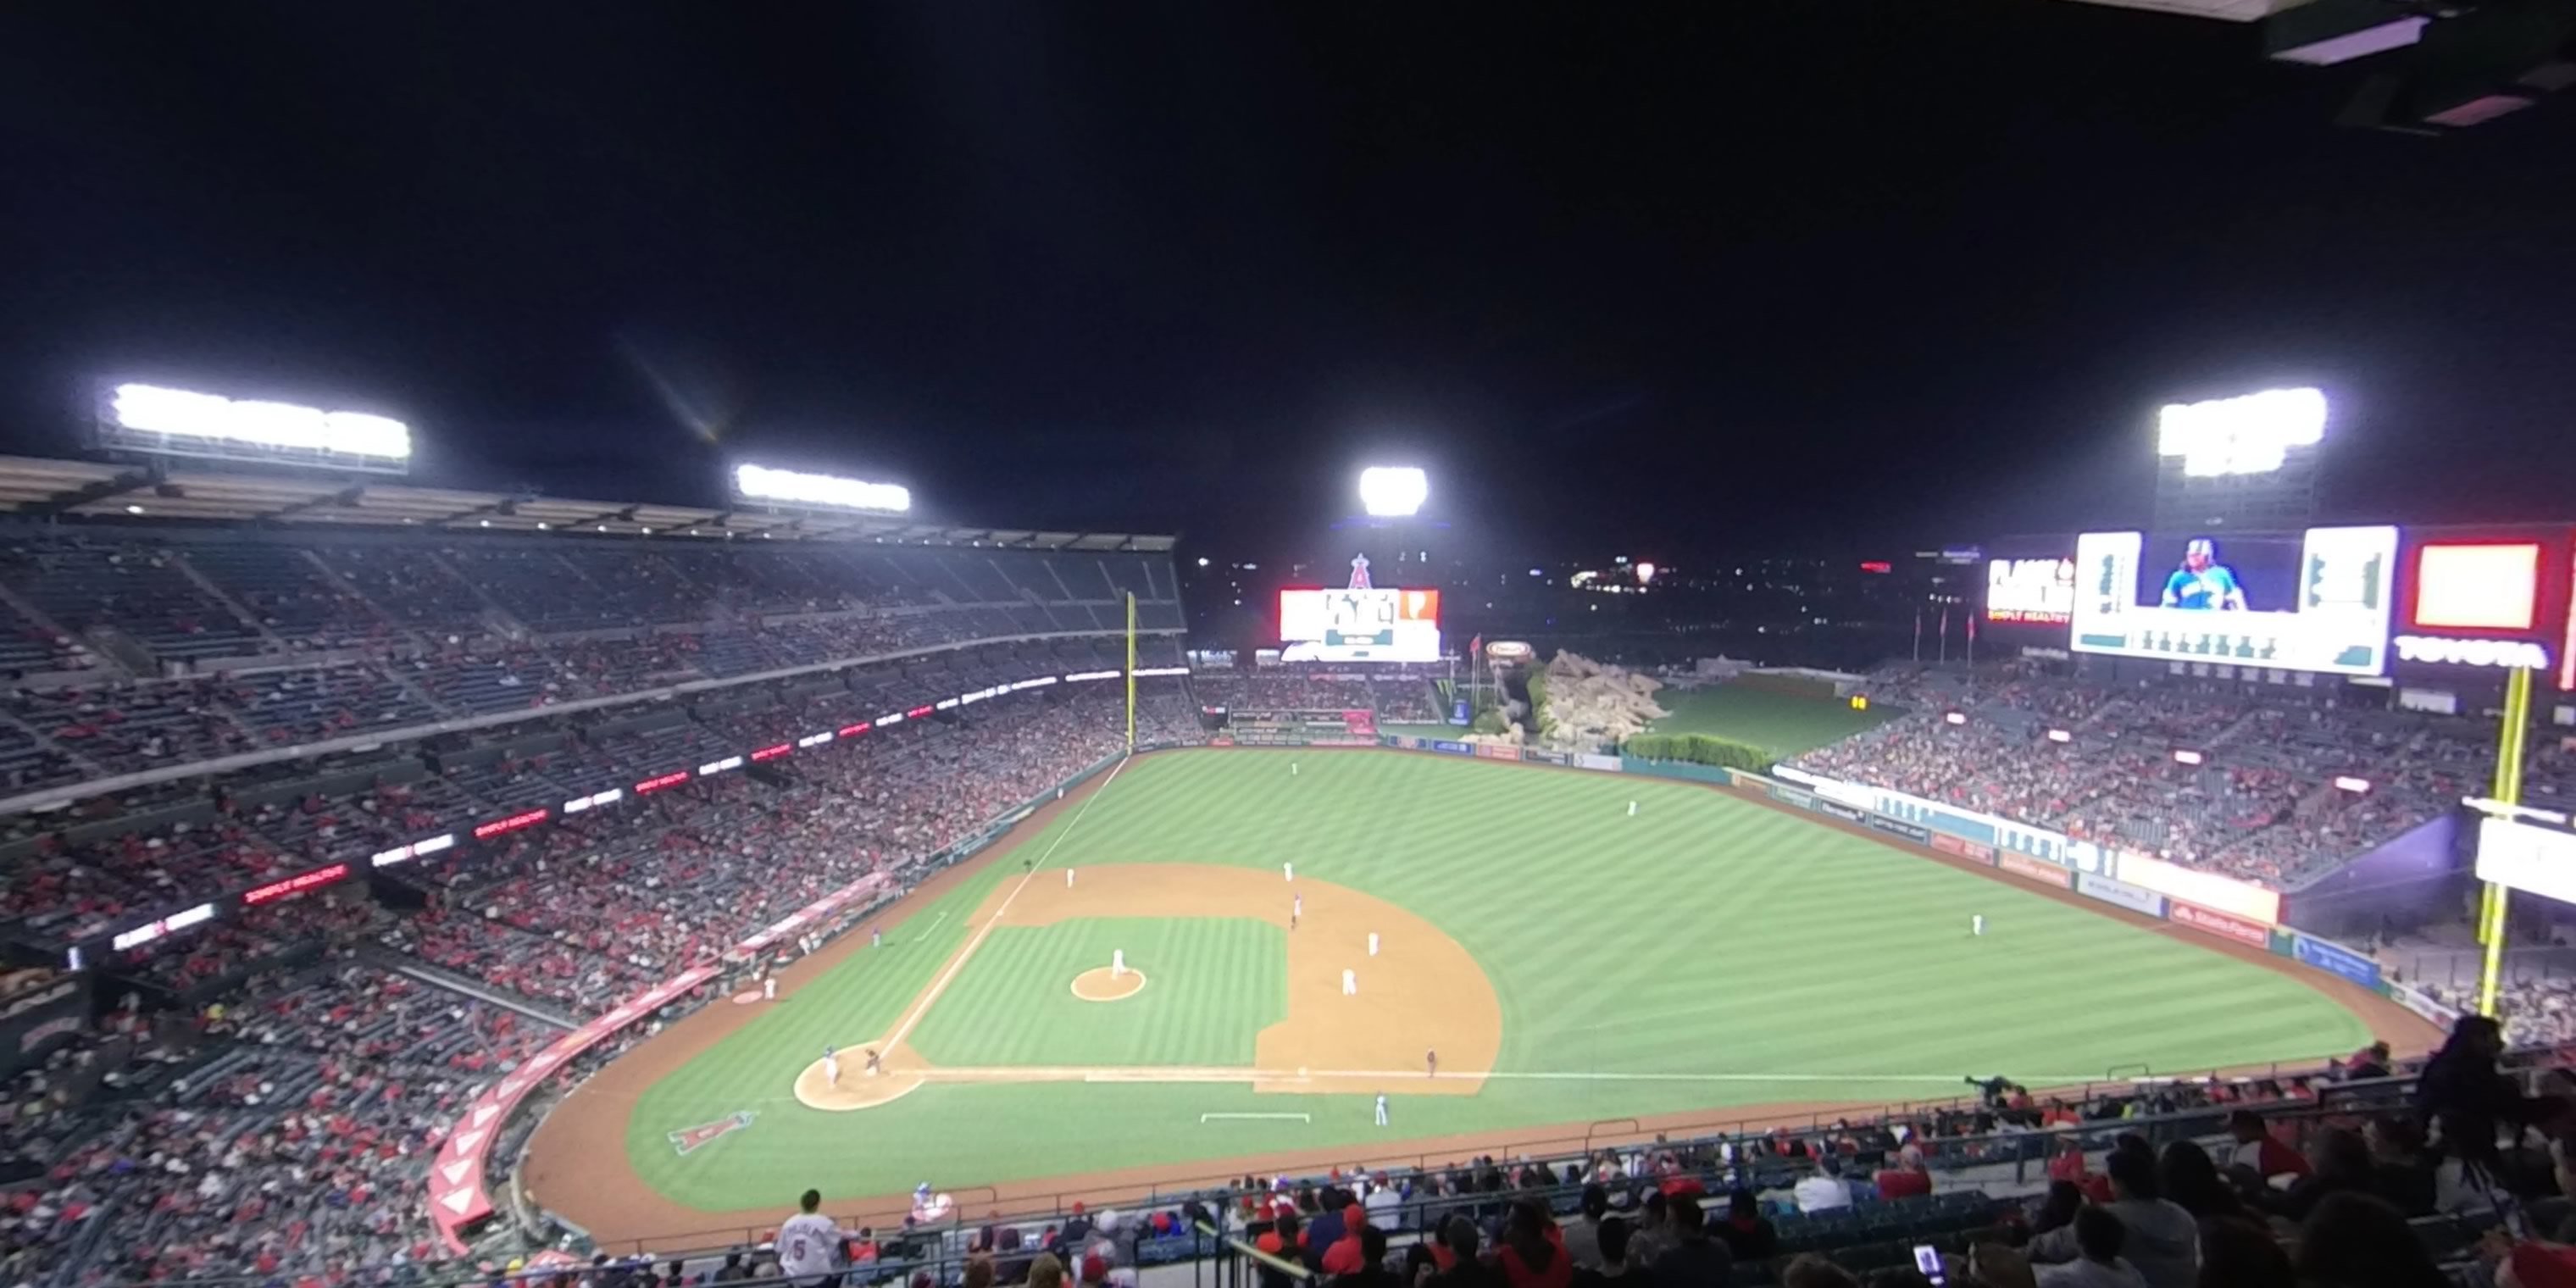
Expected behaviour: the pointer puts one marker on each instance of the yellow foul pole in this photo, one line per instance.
(1131, 673)
(2508, 789)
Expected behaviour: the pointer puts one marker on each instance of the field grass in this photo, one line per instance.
(1707, 953)
(1781, 723)
(1212, 985)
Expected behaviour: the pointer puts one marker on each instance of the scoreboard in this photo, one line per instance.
(1302, 728)
(1360, 625)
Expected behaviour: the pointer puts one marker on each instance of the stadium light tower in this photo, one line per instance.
(1393, 491)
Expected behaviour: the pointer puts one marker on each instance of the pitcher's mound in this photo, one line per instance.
(1098, 985)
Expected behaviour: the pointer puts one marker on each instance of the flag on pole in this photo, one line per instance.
(1476, 648)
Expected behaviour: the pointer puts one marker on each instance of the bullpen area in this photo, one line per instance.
(1574, 966)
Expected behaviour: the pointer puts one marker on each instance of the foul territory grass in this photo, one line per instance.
(1784, 724)
(1706, 953)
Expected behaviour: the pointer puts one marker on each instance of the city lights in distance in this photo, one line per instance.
(761, 483)
(1393, 490)
(1645, 572)
(211, 418)
(2248, 435)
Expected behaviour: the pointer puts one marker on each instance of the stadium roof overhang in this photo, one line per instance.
(91, 489)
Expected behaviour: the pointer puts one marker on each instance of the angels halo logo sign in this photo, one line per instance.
(690, 1138)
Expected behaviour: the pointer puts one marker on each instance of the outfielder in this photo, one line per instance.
(1977, 925)
(831, 1068)
(1287, 871)
(1381, 1109)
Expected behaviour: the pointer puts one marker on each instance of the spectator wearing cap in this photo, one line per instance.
(1370, 1270)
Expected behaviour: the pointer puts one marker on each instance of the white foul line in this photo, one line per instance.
(1303, 1118)
(940, 984)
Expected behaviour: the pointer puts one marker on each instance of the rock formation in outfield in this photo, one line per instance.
(1594, 704)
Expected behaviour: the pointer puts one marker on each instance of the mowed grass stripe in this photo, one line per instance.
(1212, 984)
(1706, 934)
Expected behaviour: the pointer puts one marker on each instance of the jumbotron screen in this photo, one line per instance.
(2030, 591)
(2315, 602)
(1359, 625)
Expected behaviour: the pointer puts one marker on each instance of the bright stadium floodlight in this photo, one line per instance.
(760, 483)
(2248, 435)
(1393, 491)
(215, 421)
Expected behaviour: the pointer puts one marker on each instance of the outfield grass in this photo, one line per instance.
(1783, 724)
(1707, 953)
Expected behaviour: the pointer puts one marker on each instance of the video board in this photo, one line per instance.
(2030, 591)
(2487, 598)
(1388, 625)
(2318, 602)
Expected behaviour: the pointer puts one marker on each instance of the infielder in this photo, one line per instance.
(1068, 878)
(769, 988)
(1350, 983)
(1431, 1064)
(1296, 909)
(1287, 871)
(876, 1063)
(831, 1068)
(1381, 1109)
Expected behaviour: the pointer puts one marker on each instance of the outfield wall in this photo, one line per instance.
(2205, 902)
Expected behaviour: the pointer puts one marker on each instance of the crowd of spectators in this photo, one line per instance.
(2267, 802)
(284, 1128)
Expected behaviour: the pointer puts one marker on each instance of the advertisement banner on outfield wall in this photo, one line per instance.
(2208, 889)
(1448, 748)
(1836, 809)
(2422, 1004)
(1587, 760)
(1497, 751)
(2133, 898)
(1899, 827)
(1966, 824)
(1543, 756)
(1948, 844)
(2022, 865)
(2085, 856)
(2334, 958)
(1791, 796)
(2220, 924)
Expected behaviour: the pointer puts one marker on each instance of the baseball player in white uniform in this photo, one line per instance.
(1381, 1109)
(831, 1068)
(769, 988)
(807, 1241)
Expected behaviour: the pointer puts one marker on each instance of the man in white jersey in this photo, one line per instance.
(1977, 925)
(831, 1068)
(1288, 871)
(808, 1243)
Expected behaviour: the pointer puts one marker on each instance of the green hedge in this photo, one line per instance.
(1540, 718)
(1699, 749)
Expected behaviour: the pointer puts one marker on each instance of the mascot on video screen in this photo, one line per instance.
(2203, 582)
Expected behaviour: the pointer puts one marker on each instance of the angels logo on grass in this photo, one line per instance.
(690, 1138)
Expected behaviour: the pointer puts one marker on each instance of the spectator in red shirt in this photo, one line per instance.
(2258, 1150)
(1903, 1182)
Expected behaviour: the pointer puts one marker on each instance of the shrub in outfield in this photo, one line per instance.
(1699, 749)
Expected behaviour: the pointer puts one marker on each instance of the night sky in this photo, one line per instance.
(1748, 276)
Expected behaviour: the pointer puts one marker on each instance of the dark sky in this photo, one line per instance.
(1757, 274)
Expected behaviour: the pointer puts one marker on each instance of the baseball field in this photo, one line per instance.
(1572, 962)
